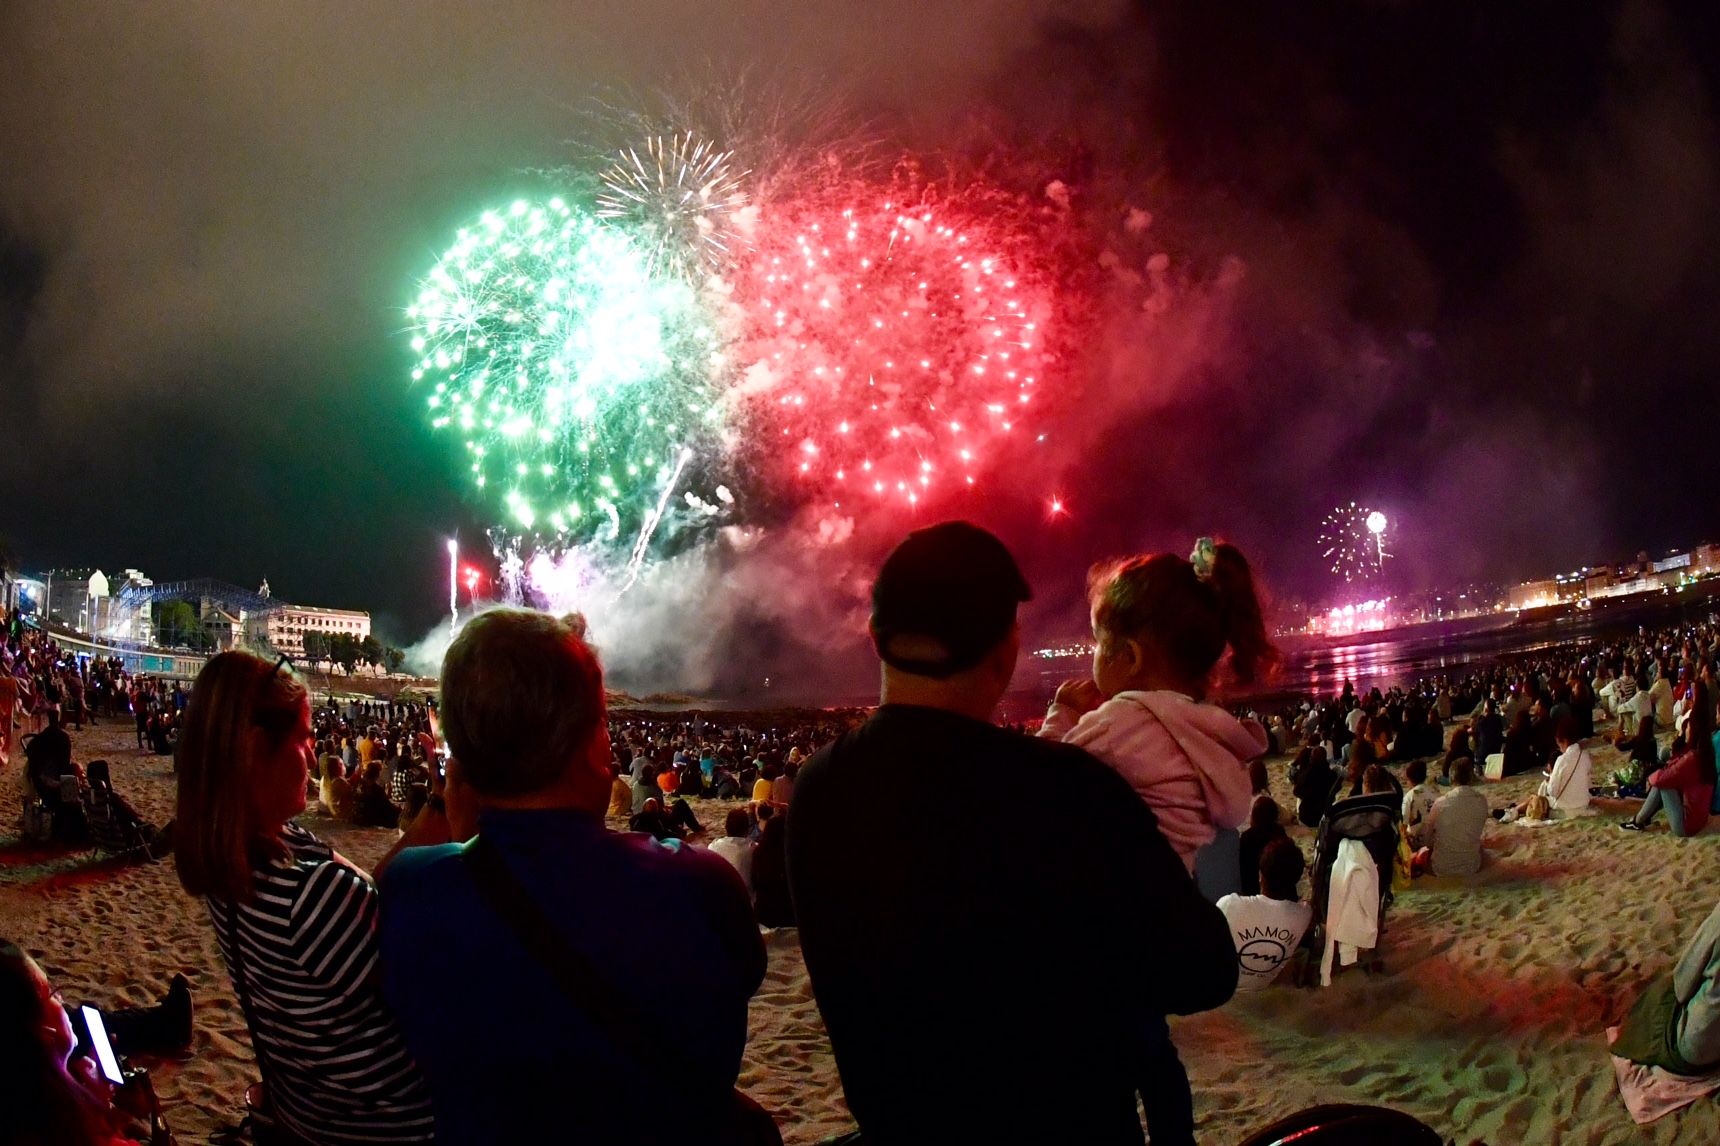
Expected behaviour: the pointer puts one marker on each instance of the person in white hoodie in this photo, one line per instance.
(1566, 786)
(1161, 625)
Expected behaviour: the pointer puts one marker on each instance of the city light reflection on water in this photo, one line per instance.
(1320, 667)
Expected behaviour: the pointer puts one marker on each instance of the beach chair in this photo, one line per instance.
(113, 826)
(1373, 820)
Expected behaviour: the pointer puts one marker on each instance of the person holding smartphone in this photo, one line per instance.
(49, 1092)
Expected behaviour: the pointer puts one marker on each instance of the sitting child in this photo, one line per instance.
(1418, 801)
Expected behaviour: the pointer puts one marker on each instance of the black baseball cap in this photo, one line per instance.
(953, 583)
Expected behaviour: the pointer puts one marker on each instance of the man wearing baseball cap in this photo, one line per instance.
(989, 970)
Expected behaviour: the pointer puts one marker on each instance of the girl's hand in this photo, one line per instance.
(88, 1075)
(1082, 695)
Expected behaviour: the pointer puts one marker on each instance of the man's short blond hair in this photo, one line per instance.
(522, 698)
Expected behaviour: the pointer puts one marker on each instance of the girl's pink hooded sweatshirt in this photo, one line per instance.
(1188, 761)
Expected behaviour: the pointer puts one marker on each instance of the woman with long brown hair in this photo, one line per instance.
(296, 922)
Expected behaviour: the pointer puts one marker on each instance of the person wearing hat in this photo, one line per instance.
(942, 959)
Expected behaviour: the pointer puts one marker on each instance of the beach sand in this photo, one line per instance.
(1487, 1022)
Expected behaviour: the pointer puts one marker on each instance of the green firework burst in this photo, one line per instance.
(577, 379)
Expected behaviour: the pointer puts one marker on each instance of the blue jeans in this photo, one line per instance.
(1667, 800)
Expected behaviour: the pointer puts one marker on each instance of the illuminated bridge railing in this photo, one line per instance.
(137, 659)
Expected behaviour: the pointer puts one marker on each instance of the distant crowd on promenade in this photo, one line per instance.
(626, 960)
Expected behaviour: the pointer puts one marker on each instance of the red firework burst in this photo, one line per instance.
(887, 351)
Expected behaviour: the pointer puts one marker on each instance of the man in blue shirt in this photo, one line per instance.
(666, 933)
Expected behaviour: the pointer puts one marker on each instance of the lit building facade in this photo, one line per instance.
(285, 628)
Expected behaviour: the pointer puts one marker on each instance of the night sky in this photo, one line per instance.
(1457, 260)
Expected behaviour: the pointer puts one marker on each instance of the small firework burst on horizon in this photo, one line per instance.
(1353, 543)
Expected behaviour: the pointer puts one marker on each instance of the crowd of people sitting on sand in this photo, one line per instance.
(628, 958)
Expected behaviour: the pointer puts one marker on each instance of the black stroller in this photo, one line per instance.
(1372, 819)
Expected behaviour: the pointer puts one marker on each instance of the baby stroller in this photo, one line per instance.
(1373, 820)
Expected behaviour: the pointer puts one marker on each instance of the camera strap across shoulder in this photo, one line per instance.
(584, 985)
(573, 971)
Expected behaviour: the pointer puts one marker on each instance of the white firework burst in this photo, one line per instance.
(683, 193)
(1353, 542)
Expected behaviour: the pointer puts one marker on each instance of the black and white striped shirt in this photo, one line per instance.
(337, 1069)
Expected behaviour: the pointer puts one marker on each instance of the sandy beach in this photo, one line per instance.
(1487, 1022)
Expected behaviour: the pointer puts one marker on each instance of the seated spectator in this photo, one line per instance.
(771, 898)
(885, 890)
(371, 806)
(335, 792)
(1259, 782)
(1362, 758)
(326, 757)
(1660, 696)
(1684, 789)
(1567, 783)
(1382, 736)
(1377, 780)
(48, 759)
(1268, 928)
(1675, 1022)
(1452, 833)
(296, 924)
(1519, 750)
(56, 781)
(417, 799)
(1314, 782)
(645, 788)
(735, 846)
(1418, 801)
(764, 788)
(620, 794)
(163, 733)
(782, 788)
(409, 775)
(653, 821)
(1263, 828)
(1460, 748)
(1641, 746)
(51, 1093)
(627, 962)
(1488, 733)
